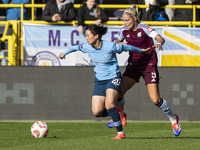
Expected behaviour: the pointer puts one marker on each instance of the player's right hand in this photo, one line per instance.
(61, 56)
(146, 51)
(123, 43)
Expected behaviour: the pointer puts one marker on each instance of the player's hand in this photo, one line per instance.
(158, 46)
(61, 56)
(146, 51)
(123, 43)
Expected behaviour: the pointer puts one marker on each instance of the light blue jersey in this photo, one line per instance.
(104, 59)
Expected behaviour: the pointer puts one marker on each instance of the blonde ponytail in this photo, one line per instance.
(131, 11)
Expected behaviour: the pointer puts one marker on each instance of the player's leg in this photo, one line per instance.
(127, 83)
(98, 99)
(111, 98)
(129, 78)
(153, 90)
(161, 103)
(98, 106)
(120, 107)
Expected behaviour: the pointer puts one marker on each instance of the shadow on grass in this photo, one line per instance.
(150, 138)
(53, 137)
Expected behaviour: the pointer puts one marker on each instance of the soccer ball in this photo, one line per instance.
(39, 129)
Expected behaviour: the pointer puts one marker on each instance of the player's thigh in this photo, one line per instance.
(127, 83)
(111, 98)
(98, 104)
(153, 90)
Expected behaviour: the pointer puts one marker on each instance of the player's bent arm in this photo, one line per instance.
(71, 49)
(160, 41)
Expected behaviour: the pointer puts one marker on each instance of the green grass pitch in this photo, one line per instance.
(94, 135)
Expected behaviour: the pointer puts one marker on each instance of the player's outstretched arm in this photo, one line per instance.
(131, 48)
(71, 49)
(135, 49)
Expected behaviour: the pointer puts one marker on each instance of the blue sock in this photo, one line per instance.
(104, 113)
(116, 118)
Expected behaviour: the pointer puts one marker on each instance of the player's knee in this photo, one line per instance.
(97, 113)
(155, 100)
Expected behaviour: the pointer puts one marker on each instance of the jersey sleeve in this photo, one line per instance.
(131, 48)
(80, 47)
(148, 30)
(70, 50)
(118, 48)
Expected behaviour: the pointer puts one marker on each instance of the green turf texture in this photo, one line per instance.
(94, 135)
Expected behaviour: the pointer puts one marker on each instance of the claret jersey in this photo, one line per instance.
(141, 38)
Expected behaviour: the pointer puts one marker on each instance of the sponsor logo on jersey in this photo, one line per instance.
(116, 81)
(139, 34)
(150, 29)
(128, 36)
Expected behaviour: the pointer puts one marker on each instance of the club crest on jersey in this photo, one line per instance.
(139, 34)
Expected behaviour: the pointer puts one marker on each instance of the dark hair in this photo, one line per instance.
(98, 9)
(96, 29)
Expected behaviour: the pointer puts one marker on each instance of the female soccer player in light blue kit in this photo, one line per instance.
(107, 74)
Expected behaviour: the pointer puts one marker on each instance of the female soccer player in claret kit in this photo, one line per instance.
(139, 65)
(107, 74)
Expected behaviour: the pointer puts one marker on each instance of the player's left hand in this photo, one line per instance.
(158, 46)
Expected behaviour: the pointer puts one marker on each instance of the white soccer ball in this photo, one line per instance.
(39, 129)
